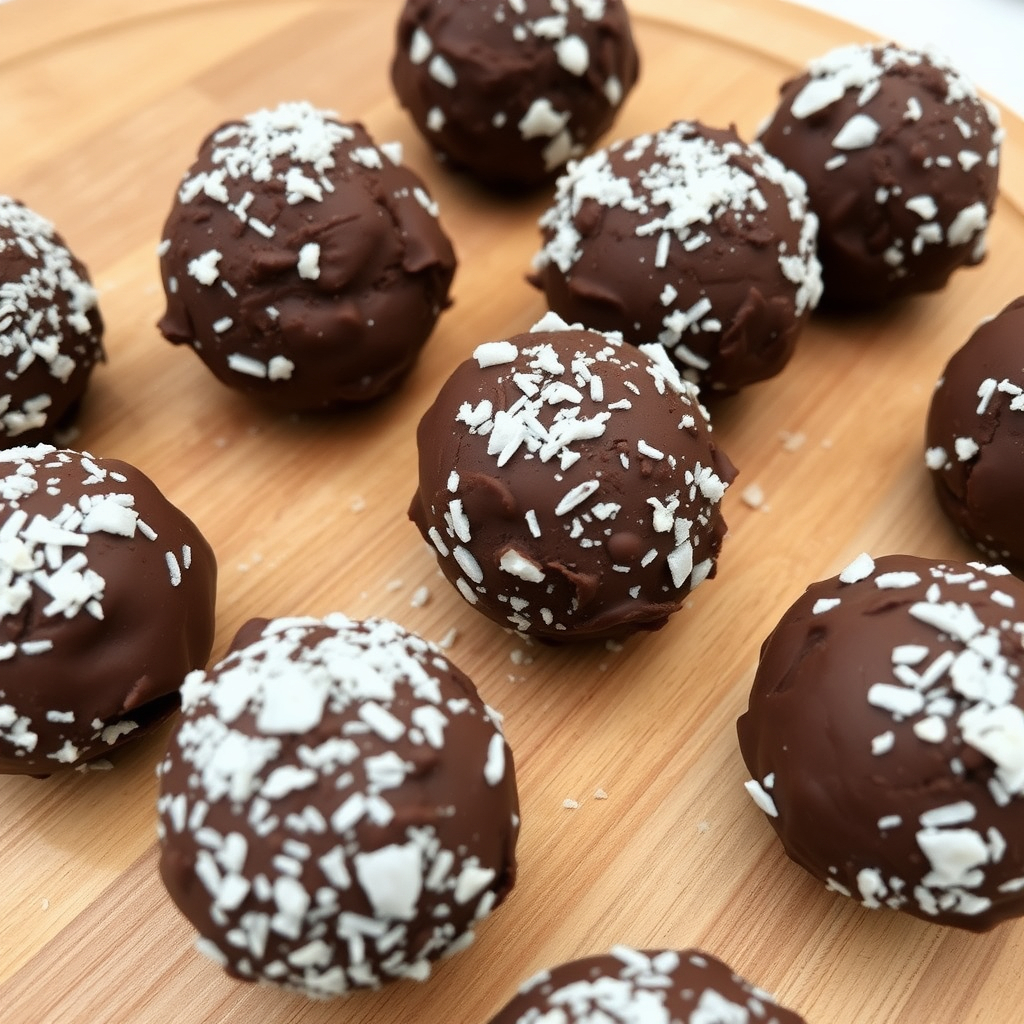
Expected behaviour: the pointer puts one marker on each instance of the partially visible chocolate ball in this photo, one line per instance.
(50, 328)
(304, 264)
(885, 737)
(337, 805)
(691, 238)
(975, 437)
(509, 90)
(107, 596)
(660, 986)
(901, 160)
(569, 484)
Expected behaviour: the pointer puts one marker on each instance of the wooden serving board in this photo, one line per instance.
(103, 105)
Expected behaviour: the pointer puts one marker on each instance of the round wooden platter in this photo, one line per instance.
(104, 104)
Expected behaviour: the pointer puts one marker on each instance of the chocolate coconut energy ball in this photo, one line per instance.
(509, 90)
(303, 264)
(106, 602)
(50, 328)
(885, 737)
(629, 986)
(901, 160)
(337, 806)
(975, 437)
(569, 484)
(691, 238)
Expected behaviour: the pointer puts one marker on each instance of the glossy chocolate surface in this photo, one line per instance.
(975, 438)
(901, 160)
(691, 238)
(629, 986)
(304, 264)
(50, 328)
(569, 484)
(338, 806)
(509, 90)
(885, 737)
(106, 601)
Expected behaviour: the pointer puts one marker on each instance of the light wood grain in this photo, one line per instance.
(104, 103)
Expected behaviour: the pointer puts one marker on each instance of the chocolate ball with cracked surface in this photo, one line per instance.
(509, 90)
(304, 264)
(50, 328)
(901, 160)
(663, 986)
(569, 484)
(885, 737)
(975, 437)
(107, 595)
(338, 806)
(691, 238)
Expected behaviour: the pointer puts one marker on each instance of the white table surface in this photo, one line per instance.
(982, 37)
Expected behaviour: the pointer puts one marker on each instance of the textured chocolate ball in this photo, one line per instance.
(304, 264)
(106, 602)
(662, 986)
(885, 737)
(510, 90)
(337, 806)
(50, 328)
(901, 160)
(975, 438)
(569, 484)
(691, 238)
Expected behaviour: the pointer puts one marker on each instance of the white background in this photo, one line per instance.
(983, 38)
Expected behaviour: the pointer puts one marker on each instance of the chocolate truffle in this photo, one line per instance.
(657, 986)
(691, 238)
(885, 737)
(509, 90)
(304, 264)
(901, 159)
(975, 438)
(50, 328)
(106, 602)
(337, 806)
(569, 484)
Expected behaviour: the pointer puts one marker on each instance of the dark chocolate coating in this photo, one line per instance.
(901, 160)
(691, 238)
(106, 602)
(50, 328)
(302, 262)
(629, 986)
(338, 806)
(975, 438)
(569, 484)
(885, 737)
(509, 90)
